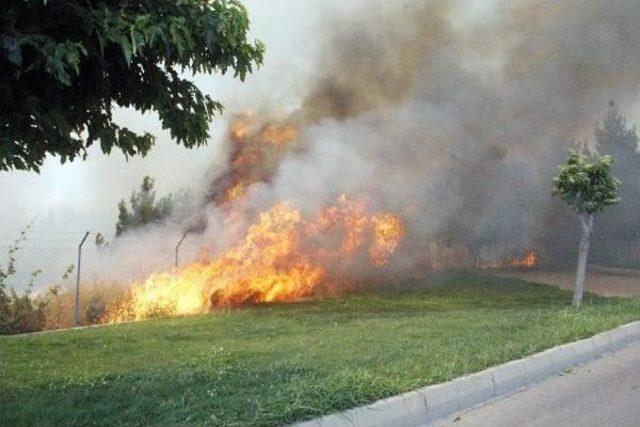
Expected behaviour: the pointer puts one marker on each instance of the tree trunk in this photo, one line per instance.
(586, 220)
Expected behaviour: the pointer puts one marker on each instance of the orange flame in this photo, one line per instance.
(282, 257)
(257, 146)
(389, 231)
(529, 260)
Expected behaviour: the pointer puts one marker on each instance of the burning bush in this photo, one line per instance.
(283, 256)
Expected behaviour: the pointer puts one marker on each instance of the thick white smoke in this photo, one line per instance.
(451, 114)
(455, 123)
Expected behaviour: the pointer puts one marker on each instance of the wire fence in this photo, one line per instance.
(496, 257)
(51, 257)
(53, 252)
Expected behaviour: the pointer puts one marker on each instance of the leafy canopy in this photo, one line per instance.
(587, 185)
(65, 64)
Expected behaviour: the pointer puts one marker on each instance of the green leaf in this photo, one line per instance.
(82, 60)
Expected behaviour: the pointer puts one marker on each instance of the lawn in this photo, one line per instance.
(281, 363)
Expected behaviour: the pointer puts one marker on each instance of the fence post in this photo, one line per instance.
(178, 247)
(76, 313)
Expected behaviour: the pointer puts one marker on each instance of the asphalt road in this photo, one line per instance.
(605, 392)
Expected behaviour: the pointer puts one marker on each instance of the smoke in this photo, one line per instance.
(450, 114)
(455, 121)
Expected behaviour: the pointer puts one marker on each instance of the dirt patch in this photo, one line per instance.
(600, 283)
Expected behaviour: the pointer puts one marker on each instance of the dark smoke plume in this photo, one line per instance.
(457, 122)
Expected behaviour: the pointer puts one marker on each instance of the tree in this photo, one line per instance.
(588, 186)
(65, 64)
(100, 241)
(621, 224)
(144, 209)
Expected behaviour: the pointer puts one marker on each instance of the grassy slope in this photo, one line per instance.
(280, 363)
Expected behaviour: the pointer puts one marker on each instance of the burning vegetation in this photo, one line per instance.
(284, 256)
(529, 260)
(280, 253)
(277, 254)
(413, 148)
(256, 148)
(508, 259)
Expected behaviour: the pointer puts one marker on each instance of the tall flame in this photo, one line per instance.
(283, 256)
(257, 146)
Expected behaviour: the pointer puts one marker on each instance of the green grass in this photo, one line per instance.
(281, 363)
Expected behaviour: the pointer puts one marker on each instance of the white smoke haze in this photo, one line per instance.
(452, 114)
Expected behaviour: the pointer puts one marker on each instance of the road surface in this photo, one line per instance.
(605, 392)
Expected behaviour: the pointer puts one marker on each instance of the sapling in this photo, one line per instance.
(588, 186)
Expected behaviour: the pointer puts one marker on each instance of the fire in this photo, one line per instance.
(278, 135)
(507, 258)
(529, 260)
(283, 256)
(257, 146)
(236, 192)
(388, 230)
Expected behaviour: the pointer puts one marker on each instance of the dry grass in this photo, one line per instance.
(94, 300)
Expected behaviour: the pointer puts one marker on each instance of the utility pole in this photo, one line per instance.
(76, 314)
(178, 247)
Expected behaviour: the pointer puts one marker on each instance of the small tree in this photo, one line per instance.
(588, 186)
(145, 208)
(621, 224)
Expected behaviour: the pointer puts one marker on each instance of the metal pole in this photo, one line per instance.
(76, 314)
(178, 247)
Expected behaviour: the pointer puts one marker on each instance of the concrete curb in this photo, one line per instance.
(428, 404)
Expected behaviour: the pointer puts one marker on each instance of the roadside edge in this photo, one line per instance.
(431, 403)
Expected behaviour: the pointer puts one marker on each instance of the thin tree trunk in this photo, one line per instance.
(586, 220)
